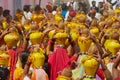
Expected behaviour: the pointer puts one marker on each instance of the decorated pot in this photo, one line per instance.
(84, 43)
(11, 39)
(95, 31)
(35, 37)
(61, 38)
(112, 45)
(90, 66)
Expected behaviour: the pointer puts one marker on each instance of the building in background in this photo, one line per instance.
(12, 5)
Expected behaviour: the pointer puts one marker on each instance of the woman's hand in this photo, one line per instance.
(6, 31)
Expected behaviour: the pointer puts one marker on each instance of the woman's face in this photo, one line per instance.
(100, 4)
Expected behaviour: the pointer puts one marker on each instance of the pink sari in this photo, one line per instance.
(39, 74)
(58, 60)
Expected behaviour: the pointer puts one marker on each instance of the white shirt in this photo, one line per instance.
(29, 14)
(26, 78)
(54, 12)
(25, 16)
(75, 6)
(109, 66)
(66, 16)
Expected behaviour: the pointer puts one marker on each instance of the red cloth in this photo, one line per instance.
(100, 73)
(72, 13)
(19, 50)
(117, 78)
(73, 58)
(13, 60)
(58, 60)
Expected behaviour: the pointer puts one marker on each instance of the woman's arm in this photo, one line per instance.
(97, 44)
(116, 63)
(104, 68)
(25, 43)
(115, 72)
(107, 73)
(3, 34)
(25, 40)
(45, 32)
(26, 68)
(50, 46)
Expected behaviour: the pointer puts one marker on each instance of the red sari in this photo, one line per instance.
(14, 53)
(13, 60)
(58, 60)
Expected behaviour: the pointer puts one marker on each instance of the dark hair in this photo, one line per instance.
(4, 73)
(93, 1)
(54, 8)
(6, 13)
(84, 6)
(1, 10)
(37, 8)
(64, 6)
(1, 7)
(23, 57)
(26, 8)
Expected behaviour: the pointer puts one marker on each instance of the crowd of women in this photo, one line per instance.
(60, 43)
